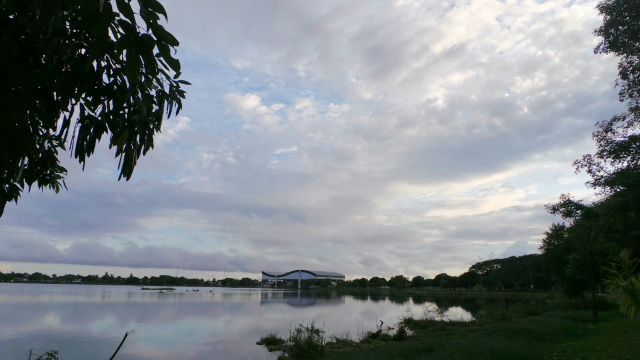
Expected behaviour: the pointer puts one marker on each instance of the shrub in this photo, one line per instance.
(304, 342)
(387, 333)
(49, 355)
(380, 334)
(271, 341)
(624, 283)
(340, 343)
(401, 334)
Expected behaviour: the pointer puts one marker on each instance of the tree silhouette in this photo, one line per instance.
(75, 70)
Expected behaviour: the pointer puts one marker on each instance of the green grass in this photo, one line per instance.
(520, 328)
(565, 334)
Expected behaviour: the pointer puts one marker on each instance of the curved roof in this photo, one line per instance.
(310, 272)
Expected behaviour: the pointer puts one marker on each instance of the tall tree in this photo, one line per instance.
(615, 165)
(620, 35)
(580, 246)
(75, 70)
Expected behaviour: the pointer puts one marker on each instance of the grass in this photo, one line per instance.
(566, 334)
(531, 328)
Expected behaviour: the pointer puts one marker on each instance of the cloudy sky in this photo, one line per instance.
(372, 138)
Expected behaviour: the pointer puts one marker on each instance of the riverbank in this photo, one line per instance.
(567, 334)
(502, 328)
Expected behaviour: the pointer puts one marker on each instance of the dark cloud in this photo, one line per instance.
(132, 256)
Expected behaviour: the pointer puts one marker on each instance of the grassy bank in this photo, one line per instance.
(565, 334)
(556, 328)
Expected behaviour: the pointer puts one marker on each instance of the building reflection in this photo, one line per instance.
(301, 299)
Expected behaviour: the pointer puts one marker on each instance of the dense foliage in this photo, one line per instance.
(509, 274)
(590, 235)
(106, 279)
(515, 273)
(73, 71)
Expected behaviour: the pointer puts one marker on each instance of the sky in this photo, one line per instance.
(370, 138)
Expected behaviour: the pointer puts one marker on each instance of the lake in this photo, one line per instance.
(88, 321)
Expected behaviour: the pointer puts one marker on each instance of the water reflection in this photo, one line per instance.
(300, 299)
(83, 321)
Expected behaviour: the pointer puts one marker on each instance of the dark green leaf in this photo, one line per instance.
(78, 55)
(157, 7)
(173, 63)
(125, 8)
(164, 36)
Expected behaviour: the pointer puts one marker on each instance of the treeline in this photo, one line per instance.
(510, 274)
(528, 272)
(110, 279)
(106, 279)
(523, 273)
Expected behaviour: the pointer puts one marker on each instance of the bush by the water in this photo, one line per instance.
(49, 355)
(271, 341)
(304, 342)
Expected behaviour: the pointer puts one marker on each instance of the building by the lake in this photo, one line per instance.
(270, 277)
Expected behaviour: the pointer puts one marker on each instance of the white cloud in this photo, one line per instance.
(249, 106)
(368, 137)
(171, 129)
(286, 150)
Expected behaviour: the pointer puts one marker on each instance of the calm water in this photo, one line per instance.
(88, 322)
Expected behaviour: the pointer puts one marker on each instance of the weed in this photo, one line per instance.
(271, 341)
(304, 342)
(379, 335)
(340, 343)
(401, 333)
(387, 333)
(49, 355)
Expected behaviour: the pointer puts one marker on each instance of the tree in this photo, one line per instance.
(595, 231)
(361, 283)
(580, 247)
(229, 282)
(514, 273)
(417, 282)
(398, 281)
(615, 166)
(444, 280)
(247, 282)
(132, 280)
(620, 35)
(376, 282)
(469, 280)
(37, 277)
(73, 71)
